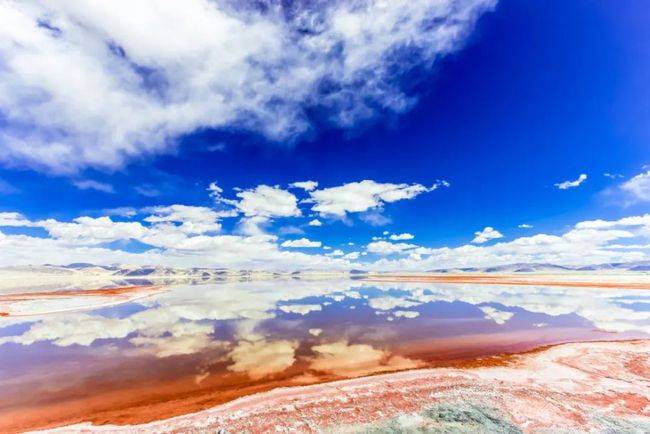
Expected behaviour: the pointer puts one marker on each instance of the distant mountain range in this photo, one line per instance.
(549, 268)
(136, 271)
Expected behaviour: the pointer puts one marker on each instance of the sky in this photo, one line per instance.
(395, 135)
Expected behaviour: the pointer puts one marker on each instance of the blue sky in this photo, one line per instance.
(519, 98)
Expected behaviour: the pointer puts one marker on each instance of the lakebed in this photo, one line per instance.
(131, 357)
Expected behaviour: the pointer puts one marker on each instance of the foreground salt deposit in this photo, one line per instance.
(582, 387)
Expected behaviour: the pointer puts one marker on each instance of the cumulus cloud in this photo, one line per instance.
(565, 185)
(388, 303)
(382, 247)
(487, 234)
(189, 236)
(352, 256)
(189, 219)
(305, 185)
(176, 235)
(356, 197)
(301, 242)
(266, 201)
(588, 242)
(402, 237)
(300, 309)
(262, 358)
(14, 219)
(89, 184)
(315, 222)
(350, 360)
(82, 85)
(406, 314)
(258, 205)
(525, 226)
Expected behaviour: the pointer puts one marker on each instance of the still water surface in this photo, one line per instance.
(188, 347)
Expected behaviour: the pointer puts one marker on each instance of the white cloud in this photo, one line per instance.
(402, 237)
(188, 236)
(633, 221)
(315, 332)
(89, 88)
(14, 219)
(315, 222)
(612, 175)
(487, 234)
(266, 201)
(638, 187)
(589, 242)
(498, 316)
(260, 359)
(177, 235)
(91, 231)
(300, 309)
(89, 184)
(352, 256)
(362, 196)
(121, 211)
(147, 190)
(375, 218)
(305, 185)
(406, 313)
(192, 219)
(387, 248)
(259, 206)
(351, 360)
(388, 303)
(301, 242)
(289, 230)
(572, 184)
(525, 226)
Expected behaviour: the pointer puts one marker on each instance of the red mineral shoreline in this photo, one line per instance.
(118, 295)
(570, 387)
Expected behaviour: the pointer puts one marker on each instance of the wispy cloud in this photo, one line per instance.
(6, 188)
(204, 64)
(638, 187)
(375, 218)
(147, 190)
(122, 211)
(565, 185)
(217, 147)
(89, 184)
